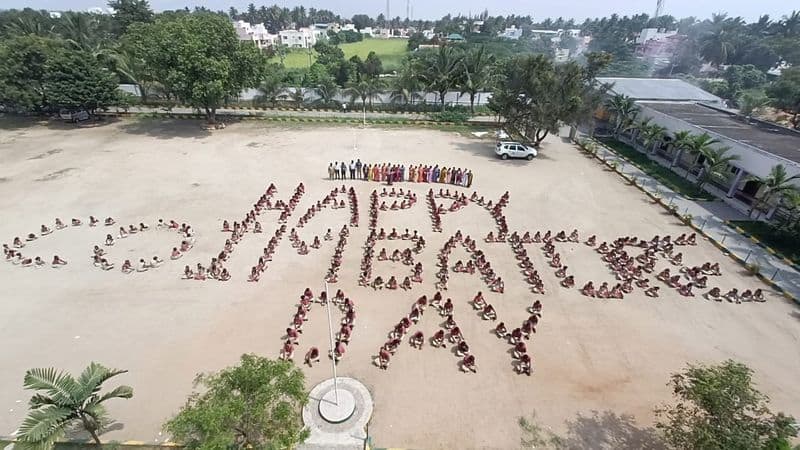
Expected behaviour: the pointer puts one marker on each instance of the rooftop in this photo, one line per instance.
(659, 89)
(773, 139)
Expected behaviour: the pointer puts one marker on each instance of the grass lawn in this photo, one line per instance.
(784, 242)
(390, 51)
(664, 175)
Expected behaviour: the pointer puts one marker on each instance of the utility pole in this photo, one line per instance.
(659, 8)
(408, 9)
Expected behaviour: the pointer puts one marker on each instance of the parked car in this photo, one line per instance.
(73, 116)
(508, 149)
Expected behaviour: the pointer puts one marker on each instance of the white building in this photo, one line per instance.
(429, 34)
(256, 34)
(654, 34)
(512, 33)
(366, 30)
(680, 106)
(561, 55)
(349, 27)
(302, 38)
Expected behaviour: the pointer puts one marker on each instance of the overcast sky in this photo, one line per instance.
(431, 9)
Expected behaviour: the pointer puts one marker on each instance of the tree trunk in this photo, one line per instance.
(88, 427)
(472, 103)
(211, 115)
(539, 137)
(441, 97)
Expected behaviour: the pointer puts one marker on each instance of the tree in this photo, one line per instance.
(624, 110)
(750, 101)
(440, 71)
(415, 40)
(362, 21)
(133, 69)
(199, 58)
(719, 408)
(127, 12)
(536, 97)
(271, 86)
(255, 404)
(785, 93)
(717, 46)
(372, 66)
(23, 61)
(407, 83)
(65, 402)
(740, 78)
(775, 185)
(681, 141)
(715, 165)
(653, 135)
(366, 89)
(75, 80)
(700, 144)
(477, 76)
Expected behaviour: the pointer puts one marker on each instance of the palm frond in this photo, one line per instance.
(59, 385)
(95, 375)
(118, 392)
(39, 400)
(44, 425)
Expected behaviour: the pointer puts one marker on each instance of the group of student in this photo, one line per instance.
(357, 170)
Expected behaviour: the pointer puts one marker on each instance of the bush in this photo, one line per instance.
(450, 116)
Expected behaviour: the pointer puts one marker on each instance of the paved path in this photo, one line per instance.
(710, 217)
(351, 115)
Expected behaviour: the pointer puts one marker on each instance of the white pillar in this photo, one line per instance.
(736, 181)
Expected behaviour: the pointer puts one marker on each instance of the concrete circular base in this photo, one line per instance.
(337, 427)
(337, 411)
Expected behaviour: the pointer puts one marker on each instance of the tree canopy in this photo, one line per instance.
(253, 405)
(718, 408)
(198, 58)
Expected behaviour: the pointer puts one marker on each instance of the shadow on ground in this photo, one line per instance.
(166, 128)
(608, 430)
(604, 430)
(12, 122)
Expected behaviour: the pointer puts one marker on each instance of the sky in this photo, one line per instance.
(432, 9)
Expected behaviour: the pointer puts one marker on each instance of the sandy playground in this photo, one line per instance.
(600, 366)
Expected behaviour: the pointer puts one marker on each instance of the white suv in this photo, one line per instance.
(508, 149)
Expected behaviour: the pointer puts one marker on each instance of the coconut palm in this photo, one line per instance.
(636, 129)
(406, 86)
(775, 185)
(624, 110)
(715, 165)
(699, 145)
(298, 96)
(477, 64)
(134, 70)
(327, 92)
(681, 140)
(440, 71)
(80, 30)
(65, 402)
(33, 24)
(653, 135)
(790, 201)
(367, 89)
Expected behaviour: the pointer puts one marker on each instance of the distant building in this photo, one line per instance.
(349, 27)
(429, 34)
(427, 46)
(302, 38)
(366, 30)
(256, 34)
(383, 33)
(54, 14)
(335, 27)
(477, 26)
(658, 46)
(455, 37)
(546, 33)
(561, 55)
(95, 10)
(512, 33)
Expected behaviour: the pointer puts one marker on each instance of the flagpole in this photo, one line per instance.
(333, 350)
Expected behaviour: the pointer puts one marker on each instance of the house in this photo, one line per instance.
(349, 27)
(477, 26)
(429, 34)
(455, 38)
(679, 106)
(512, 33)
(302, 38)
(366, 31)
(552, 34)
(561, 55)
(256, 34)
(383, 33)
(334, 27)
(658, 46)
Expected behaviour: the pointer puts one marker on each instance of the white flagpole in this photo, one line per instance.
(333, 350)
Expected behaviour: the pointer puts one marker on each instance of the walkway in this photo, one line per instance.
(710, 217)
(307, 113)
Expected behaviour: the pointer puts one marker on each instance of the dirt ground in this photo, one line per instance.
(600, 366)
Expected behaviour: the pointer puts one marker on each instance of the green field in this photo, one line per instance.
(390, 51)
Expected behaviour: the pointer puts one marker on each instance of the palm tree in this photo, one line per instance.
(791, 202)
(441, 71)
(636, 129)
(624, 110)
(34, 24)
(653, 135)
(407, 84)
(477, 74)
(298, 96)
(134, 70)
(681, 140)
(327, 93)
(79, 30)
(715, 165)
(698, 146)
(67, 402)
(717, 46)
(776, 184)
(366, 89)
(269, 90)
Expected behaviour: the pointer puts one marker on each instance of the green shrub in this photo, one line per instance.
(450, 116)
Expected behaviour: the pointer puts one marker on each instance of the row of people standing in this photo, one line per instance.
(357, 170)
